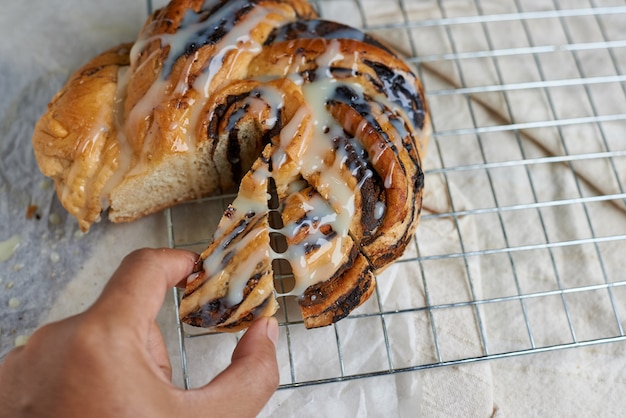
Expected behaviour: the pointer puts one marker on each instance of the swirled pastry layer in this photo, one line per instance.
(320, 127)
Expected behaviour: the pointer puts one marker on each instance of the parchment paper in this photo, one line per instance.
(56, 271)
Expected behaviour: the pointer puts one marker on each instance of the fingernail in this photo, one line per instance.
(272, 330)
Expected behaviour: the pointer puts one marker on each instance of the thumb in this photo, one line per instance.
(244, 388)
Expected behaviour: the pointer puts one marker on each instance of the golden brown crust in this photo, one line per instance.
(204, 303)
(123, 118)
(328, 302)
(321, 128)
(75, 140)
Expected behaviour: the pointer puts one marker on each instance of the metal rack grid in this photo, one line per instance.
(523, 277)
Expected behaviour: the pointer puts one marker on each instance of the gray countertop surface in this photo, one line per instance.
(56, 271)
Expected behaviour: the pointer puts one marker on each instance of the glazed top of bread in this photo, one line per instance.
(219, 95)
(127, 131)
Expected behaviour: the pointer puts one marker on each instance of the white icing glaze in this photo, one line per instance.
(379, 210)
(238, 279)
(326, 60)
(268, 98)
(125, 153)
(192, 277)
(244, 272)
(287, 134)
(331, 185)
(296, 186)
(318, 256)
(329, 254)
(247, 204)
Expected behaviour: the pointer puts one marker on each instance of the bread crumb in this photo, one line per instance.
(54, 219)
(45, 184)
(54, 257)
(8, 247)
(31, 211)
(14, 303)
(9, 285)
(21, 340)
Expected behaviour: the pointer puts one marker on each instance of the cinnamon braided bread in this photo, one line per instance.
(320, 127)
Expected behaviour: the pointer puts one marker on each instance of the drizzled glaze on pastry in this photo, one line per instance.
(338, 123)
(332, 190)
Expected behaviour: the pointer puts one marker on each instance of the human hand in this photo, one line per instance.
(111, 360)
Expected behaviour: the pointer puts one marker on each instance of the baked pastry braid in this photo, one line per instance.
(321, 127)
(349, 147)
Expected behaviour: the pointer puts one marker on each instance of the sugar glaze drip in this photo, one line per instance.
(334, 154)
(328, 214)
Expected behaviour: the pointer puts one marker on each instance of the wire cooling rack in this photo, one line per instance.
(508, 151)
